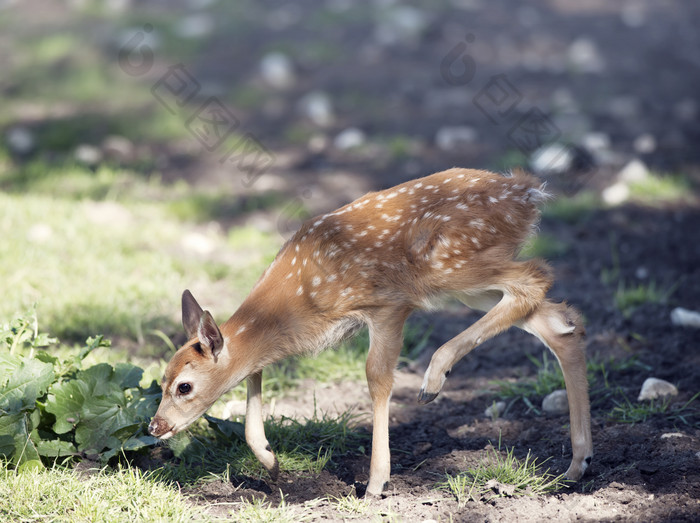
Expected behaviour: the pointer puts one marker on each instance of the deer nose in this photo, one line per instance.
(157, 427)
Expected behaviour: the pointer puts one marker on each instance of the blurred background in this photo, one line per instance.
(150, 146)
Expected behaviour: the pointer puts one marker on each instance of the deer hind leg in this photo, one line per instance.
(523, 287)
(386, 340)
(255, 429)
(560, 328)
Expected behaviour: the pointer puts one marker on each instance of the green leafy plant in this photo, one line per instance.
(51, 407)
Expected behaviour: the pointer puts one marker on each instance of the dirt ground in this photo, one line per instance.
(640, 79)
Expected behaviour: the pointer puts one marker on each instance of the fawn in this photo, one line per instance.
(455, 233)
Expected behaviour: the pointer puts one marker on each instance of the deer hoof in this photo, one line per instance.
(426, 397)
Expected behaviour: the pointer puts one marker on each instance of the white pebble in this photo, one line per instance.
(556, 403)
(685, 318)
(656, 388)
(495, 409)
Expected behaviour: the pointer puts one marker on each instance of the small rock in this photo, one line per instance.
(556, 403)
(88, 155)
(552, 158)
(453, 138)
(685, 318)
(633, 15)
(616, 194)
(118, 148)
(317, 107)
(584, 56)
(656, 388)
(670, 435)
(401, 23)
(596, 141)
(195, 26)
(642, 273)
(634, 171)
(645, 144)
(277, 70)
(495, 410)
(20, 140)
(349, 139)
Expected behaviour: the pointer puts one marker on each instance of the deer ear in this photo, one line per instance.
(191, 314)
(209, 335)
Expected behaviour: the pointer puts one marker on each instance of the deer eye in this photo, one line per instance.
(184, 388)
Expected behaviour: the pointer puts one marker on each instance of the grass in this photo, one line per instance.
(301, 447)
(59, 494)
(261, 511)
(626, 411)
(501, 474)
(350, 506)
(629, 297)
(544, 246)
(574, 209)
(659, 189)
(549, 378)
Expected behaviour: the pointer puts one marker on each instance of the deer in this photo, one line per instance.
(455, 234)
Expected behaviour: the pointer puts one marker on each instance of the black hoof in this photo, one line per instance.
(426, 397)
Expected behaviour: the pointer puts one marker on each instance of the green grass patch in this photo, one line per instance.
(350, 506)
(544, 246)
(58, 494)
(549, 378)
(220, 451)
(659, 189)
(629, 297)
(261, 511)
(573, 209)
(216, 206)
(626, 411)
(501, 474)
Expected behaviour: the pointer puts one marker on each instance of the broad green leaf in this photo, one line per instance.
(99, 378)
(55, 448)
(17, 427)
(7, 445)
(9, 363)
(128, 376)
(24, 386)
(226, 428)
(33, 465)
(66, 401)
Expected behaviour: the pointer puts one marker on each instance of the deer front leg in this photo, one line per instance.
(386, 340)
(508, 310)
(255, 429)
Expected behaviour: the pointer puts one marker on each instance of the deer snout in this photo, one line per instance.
(158, 427)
